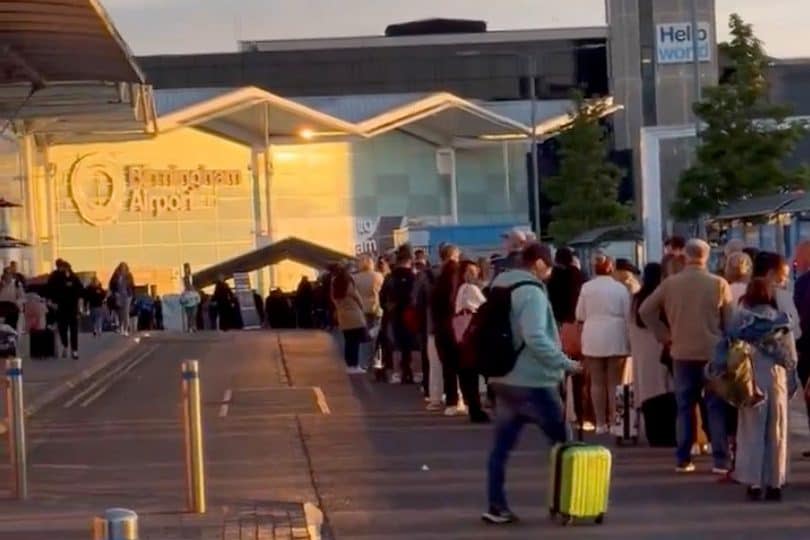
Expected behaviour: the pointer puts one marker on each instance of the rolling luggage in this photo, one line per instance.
(580, 482)
(626, 421)
(660, 417)
(42, 344)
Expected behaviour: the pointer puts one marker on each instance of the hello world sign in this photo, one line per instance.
(673, 43)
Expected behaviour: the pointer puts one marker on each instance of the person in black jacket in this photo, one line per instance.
(95, 295)
(563, 287)
(65, 290)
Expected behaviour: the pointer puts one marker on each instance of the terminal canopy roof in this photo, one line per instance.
(766, 205)
(255, 116)
(65, 70)
(292, 249)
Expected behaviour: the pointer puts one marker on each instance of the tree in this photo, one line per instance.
(585, 193)
(745, 141)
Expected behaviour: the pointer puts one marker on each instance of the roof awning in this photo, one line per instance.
(758, 206)
(67, 74)
(609, 233)
(293, 249)
(254, 116)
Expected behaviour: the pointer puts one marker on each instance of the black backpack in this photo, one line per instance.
(487, 344)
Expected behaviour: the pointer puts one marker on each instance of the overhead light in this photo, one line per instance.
(307, 134)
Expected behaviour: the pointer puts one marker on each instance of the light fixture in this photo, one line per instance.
(307, 134)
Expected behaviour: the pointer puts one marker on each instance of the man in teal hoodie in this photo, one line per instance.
(530, 392)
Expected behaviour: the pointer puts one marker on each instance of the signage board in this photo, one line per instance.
(247, 304)
(673, 43)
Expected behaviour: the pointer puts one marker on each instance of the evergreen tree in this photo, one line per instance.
(745, 141)
(585, 193)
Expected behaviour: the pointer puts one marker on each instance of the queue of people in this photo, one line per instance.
(657, 334)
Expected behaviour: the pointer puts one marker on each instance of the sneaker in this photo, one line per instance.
(602, 430)
(495, 516)
(75, 355)
(434, 406)
(720, 471)
(685, 468)
(355, 370)
(588, 426)
(396, 378)
(454, 411)
(753, 493)
(417, 378)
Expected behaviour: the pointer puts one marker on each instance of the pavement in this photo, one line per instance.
(288, 433)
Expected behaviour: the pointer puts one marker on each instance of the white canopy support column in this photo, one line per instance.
(28, 153)
(507, 180)
(446, 166)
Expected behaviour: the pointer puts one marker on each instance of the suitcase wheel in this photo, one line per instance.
(600, 519)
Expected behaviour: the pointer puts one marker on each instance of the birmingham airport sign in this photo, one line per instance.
(101, 189)
(673, 43)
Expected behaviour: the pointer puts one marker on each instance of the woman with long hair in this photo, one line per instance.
(737, 272)
(351, 318)
(122, 290)
(651, 377)
(762, 435)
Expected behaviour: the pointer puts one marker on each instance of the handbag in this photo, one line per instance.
(460, 323)
(571, 339)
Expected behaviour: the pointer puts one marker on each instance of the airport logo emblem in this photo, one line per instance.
(97, 189)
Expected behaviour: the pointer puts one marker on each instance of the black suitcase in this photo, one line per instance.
(43, 344)
(660, 417)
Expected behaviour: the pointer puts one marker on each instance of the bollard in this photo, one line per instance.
(192, 422)
(15, 411)
(116, 524)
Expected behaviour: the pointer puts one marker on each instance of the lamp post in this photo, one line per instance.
(531, 72)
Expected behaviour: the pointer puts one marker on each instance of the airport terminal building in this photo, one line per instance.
(333, 140)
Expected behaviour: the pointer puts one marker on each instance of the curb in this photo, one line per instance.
(102, 361)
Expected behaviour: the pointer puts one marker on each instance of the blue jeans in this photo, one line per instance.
(515, 407)
(689, 383)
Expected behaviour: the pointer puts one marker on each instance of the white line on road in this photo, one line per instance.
(116, 377)
(226, 403)
(319, 395)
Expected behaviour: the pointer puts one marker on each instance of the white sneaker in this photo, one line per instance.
(602, 430)
(396, 378)
(417, 378)
(454, 411)
(588, 426)
(355, 370)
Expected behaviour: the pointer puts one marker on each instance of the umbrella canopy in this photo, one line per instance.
(8, 204)
(9, 242)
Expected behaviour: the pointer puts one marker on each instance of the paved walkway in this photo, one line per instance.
(44, 380)
(386, 469)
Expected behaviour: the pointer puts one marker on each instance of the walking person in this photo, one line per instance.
(602, 309)
(529, 394)
(762, 434)
(351, 318)
(65, 290)
(190, 301)
(225, 304)
(697, 306)
(122, 289)
(94, 296)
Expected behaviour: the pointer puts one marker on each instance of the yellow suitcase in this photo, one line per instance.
(580, 482)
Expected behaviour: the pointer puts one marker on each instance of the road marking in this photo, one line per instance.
(226, 403)
(321, 398)
(103, 386)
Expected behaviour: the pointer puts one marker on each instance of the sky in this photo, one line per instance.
(184, 26)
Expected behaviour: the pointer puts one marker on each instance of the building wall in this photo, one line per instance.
(334, 194)
(107, 209)
(208, 224)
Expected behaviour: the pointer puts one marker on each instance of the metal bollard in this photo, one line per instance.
(15, 411)
(116, 524)
(192, 421)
